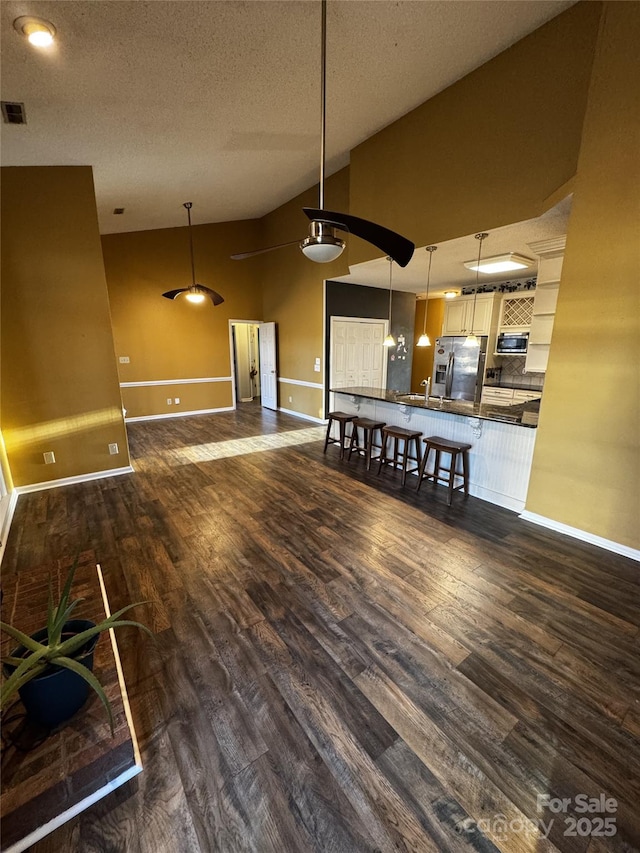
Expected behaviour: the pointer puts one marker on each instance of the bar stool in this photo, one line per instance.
(368, 428)
(343, 419)
(454, 449)
(401, 455)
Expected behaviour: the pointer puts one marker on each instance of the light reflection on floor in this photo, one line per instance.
(241, 446)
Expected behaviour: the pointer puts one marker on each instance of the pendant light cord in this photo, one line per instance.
(323, 99)
(188, 206)
(390, 271)
(479, 237)
(431, 250)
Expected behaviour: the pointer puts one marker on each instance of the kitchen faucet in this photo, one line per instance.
(427, 384)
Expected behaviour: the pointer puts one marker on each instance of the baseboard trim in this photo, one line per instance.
(5, 526)
(72, 481)
(576, 533)
(178, 415)
(303, 416)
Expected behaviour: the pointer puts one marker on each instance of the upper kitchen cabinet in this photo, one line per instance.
(461, 319)
(551, 254)
(516, 312)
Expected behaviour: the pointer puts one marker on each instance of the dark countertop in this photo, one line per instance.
(521, 414)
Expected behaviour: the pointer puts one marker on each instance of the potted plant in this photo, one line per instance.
(52, 669)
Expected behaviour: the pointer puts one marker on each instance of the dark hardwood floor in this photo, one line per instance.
(341, 665)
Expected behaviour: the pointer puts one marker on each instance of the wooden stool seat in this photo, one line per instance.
(401, 454)
(342, 418)
(368, 428)
(454, 449)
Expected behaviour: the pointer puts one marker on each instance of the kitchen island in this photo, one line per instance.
(502, 437)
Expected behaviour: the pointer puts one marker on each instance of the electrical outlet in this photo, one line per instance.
(124, 359)
(169, 401)
(177, 401)
(291, 399)
(316, 367)
(113, 449)
(49, 457)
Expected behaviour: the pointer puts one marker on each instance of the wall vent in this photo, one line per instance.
(13, 112)
(118, 210)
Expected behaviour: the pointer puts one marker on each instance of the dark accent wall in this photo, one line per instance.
(356, 300)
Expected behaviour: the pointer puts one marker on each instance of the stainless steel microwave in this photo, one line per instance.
(512, 343)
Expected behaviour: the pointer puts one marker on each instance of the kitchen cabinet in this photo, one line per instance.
(516, 311)
(551, 253)
(459, 318)
(507, 396)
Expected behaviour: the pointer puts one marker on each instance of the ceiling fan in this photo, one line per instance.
(195, 292)
(322, 243)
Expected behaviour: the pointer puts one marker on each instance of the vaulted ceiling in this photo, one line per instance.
(218, 102)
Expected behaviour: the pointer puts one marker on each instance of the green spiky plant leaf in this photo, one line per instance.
(57, 651)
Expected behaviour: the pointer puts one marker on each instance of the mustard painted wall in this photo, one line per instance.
(487, 151)
(59, 380)
(293, 291)
(422, 366)
(175, 339)
(586, 467)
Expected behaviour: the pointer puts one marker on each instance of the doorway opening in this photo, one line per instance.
(245, 360)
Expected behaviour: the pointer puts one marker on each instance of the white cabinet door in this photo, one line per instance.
(455, 317)
(546, 299)
(481, 322)
(537, 358)
(541, 329)
(497, 396)
(526, 396)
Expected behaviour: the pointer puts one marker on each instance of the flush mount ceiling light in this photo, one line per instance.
(196, 292)
(39, 32)
(424, 340)
(500, 263)
(471, 340)
(450, 294)
(389, 341)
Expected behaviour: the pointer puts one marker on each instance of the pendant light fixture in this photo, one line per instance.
(389, 341)
(424, 340)
(196, 292)
(472, 340)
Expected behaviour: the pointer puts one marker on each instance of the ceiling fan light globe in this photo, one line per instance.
(424, 341)
(323, 249)
(194, 297)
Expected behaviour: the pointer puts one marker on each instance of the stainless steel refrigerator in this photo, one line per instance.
(458, 370)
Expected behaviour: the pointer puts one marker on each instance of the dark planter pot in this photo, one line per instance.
(57, 694)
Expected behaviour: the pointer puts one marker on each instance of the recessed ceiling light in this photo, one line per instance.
(450, 294)
(500, 263)
(39, 32)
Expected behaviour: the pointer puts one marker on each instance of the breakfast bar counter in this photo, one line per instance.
(502, 437)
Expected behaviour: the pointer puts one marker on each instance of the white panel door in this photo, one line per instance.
(357, 354)
(268, 375)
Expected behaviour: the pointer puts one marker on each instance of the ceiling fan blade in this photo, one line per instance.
(390, 242)
(242, 255)
(171, 294)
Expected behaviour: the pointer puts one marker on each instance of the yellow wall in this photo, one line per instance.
(422, 366)
(586, 465)
(488, 150)
(59, 381)
(175, 339)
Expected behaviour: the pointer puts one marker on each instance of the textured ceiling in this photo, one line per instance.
(218, 102)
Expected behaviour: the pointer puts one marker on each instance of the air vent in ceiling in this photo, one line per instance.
(13, 112)
(118, 210)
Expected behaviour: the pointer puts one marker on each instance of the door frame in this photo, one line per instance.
(232, 354)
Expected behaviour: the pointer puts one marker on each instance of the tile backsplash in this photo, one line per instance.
(508, 371)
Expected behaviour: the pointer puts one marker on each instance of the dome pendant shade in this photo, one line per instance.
(196, 292)
(389, 341)
(424, 341)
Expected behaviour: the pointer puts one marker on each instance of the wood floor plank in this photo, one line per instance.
(340, 664)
